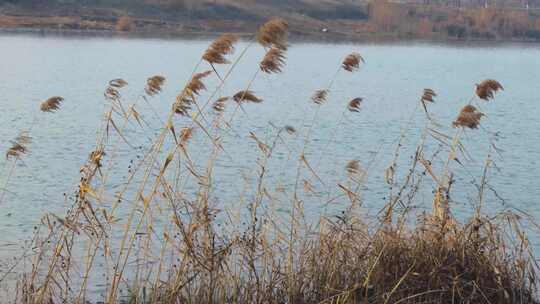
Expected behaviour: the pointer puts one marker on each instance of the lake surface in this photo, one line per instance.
(34, 68)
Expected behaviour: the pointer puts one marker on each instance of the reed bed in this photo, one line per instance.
(162, 236)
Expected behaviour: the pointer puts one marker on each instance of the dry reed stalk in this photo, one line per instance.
(52, 104)
(222, 46)
(486, 89)
(96, 156)
(351, 63)
(273, 34)
(154, 85)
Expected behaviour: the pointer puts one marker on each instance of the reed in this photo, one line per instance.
(52, 104)
(154, 85)
(163, 235)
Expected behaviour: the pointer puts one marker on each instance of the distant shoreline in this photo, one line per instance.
(304, 37)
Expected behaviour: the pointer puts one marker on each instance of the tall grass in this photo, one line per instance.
(162, 236)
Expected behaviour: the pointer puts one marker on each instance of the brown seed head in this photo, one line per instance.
(273, 34)
(182, 105)
(111, 93)
(23, 138)
(18, 147)
(154, 85)
(319, 97)
(118, 83)
(486, 89)
(244, 96)
(353, 167)
(428, 95)
(219, 104)
(354, 105)
(222, 46)
(351, 63)
(16, 150)
(186, 134)
(290, 129)
(52, 104)
(273, 61)
(196, 85)
(187, 97)
(468, 117)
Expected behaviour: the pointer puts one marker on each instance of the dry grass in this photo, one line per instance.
(161, 235)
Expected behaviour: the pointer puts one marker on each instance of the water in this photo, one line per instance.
(34, 68)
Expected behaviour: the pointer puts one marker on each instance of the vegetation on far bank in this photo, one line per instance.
(336, 19)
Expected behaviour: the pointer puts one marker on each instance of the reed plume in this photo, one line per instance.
(154, 85)
(182, 105)
(23, 138)
(351, 63)
(273, 34)
(188, 96)
(290, 129)
(486, 89)
(273, 61)
(196, 85)
(320, 96)
(244, 96)
(52, 104)
(222, 46)
(355, 104)
(219, 104)
(353, 167)
(428, 95)
(16, 150)
(468, 117)
(186, 134)
(19, 145)
(111, 93)
(118, 83)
